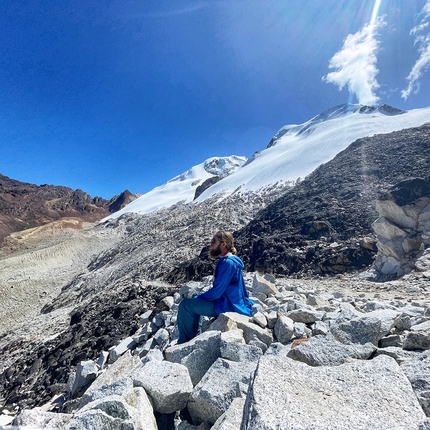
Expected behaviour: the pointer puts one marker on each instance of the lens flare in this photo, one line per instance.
(375, 11)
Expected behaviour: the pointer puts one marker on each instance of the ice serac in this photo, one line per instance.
(182, 188)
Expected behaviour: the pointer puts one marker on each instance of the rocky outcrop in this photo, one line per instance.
(236, 374)
(206, 184)
(118, 202)
(403, 229)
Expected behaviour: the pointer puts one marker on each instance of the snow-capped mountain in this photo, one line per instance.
(294, 152)
(182, 188)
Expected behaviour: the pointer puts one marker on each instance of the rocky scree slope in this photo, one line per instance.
(308, 358)
(323, 225)
(24, 205)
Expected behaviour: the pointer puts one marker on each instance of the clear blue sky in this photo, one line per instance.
(112, 95)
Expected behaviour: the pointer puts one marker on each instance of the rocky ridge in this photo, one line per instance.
(24, 205)
(334, 360)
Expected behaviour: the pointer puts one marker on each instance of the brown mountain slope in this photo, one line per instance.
(24, 205)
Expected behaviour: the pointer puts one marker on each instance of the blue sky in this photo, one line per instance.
(112, 95)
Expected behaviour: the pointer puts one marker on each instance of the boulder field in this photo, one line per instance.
(306, 359)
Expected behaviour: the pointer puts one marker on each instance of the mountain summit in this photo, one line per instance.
(182, 188)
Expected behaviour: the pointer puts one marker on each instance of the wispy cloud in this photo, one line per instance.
(355, 63)
(422, 40)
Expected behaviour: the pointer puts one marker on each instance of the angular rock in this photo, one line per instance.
(240, 352)
(86, 373)
(95, 419)
(369, 327)
(418, 337)
(102, 360)
(418, 372)
(271, 318)
(35, 418)
(119, 387)
(116, 351)
(301, 331)
(251, 331)
(327, 351)
(320, 328)
(115, 406)
(232, 418)
(213, 395)
(145, 317)
(284, 329)
(233, 336)
(122, 368)
(167, 384)
(399, 354)
(371, 394)
(306, 316)
(197, 355)
(260, 319)
(317, 301)
(387, 341)
(162, 337)
(261, 285)
(278, 349)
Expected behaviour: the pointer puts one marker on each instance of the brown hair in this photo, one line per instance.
(227, 238)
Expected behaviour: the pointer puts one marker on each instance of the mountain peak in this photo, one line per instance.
(339, 111)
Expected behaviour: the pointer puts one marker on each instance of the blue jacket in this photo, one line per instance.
(228, 291)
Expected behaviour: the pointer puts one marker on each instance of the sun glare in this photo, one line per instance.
(375, 11)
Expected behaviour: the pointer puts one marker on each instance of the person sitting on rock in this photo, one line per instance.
(228, 293)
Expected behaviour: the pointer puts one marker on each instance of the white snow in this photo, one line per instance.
(182, 188)
(304, 147)
(295, 152)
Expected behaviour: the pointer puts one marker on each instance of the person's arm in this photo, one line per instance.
(226, 271)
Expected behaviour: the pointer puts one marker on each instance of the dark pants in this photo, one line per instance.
(189, 313)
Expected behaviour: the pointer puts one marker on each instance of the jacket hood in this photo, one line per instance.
(237, 261)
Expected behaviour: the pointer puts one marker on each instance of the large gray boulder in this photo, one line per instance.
(167, 384)
(261, 285)
(252, 333)
(133, 408)
(197, 355)
(240, 352)
(119, 387)
(368, 327)
(223, 382)
(284, 329)
(363, 394)
(96, 419)
(417, 371)
(403, 227)
(35, 418)
(122, 368)
(327, 351)
(418, 337)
